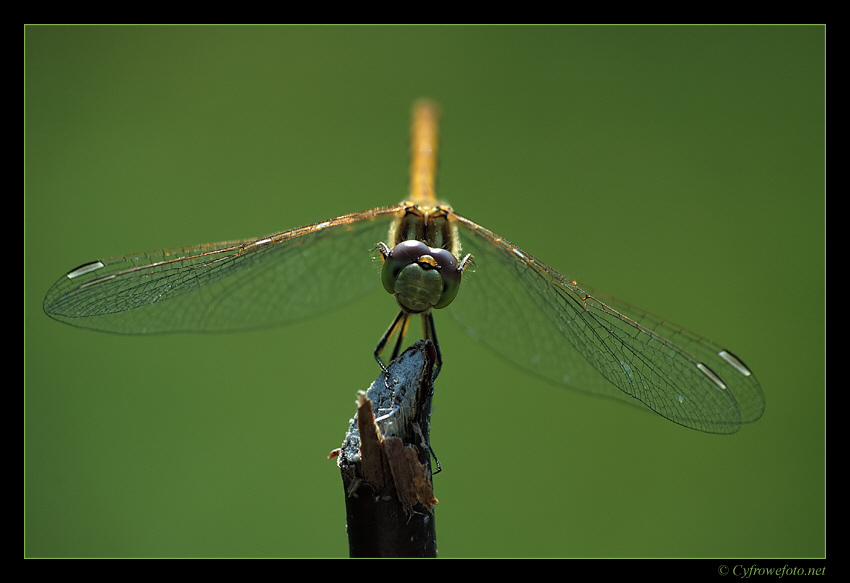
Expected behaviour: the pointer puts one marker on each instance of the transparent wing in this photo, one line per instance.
(532, 315)
(226, 286)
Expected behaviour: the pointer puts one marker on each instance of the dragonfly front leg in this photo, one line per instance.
(400, 320)
(431, 334)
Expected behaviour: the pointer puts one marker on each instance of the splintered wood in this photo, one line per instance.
(388, 459)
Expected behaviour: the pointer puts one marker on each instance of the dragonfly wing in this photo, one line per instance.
(535, 317)
(226, 286)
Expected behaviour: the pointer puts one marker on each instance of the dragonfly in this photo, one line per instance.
(520, 307)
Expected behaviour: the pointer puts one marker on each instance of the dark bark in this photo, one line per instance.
(386, 462)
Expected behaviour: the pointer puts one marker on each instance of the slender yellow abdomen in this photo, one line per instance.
(423, 153)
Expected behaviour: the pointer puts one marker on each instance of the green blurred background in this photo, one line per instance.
(678, 168)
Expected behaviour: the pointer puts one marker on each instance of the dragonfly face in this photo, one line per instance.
(523, 309)
(420, 277)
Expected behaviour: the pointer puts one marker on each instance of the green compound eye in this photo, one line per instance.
(448, 267)
(400, 257)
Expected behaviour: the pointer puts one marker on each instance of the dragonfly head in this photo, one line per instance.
(421, 277)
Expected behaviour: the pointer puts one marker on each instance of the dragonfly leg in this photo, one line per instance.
(439, 468)
(401, 319)
(431, 334)
(402, 332)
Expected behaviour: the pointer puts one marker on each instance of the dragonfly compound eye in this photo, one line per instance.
(421, 278)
